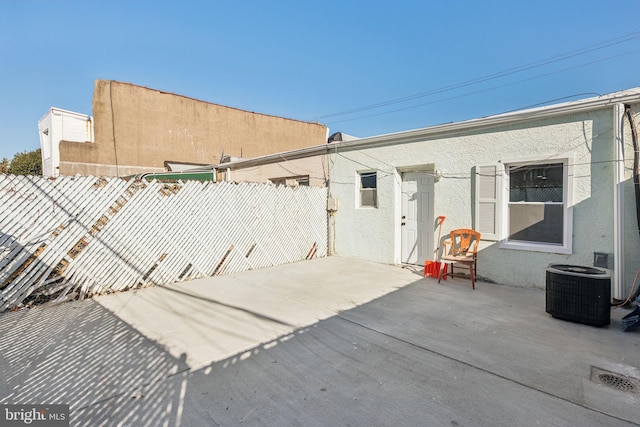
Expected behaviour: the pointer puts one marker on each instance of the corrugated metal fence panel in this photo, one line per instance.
(74, 237)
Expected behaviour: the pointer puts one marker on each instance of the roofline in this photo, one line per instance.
(164, 92)
(582, 105)
(66, 112)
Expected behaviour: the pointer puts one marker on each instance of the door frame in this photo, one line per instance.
(399, 171)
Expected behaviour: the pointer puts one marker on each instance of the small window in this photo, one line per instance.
(368, 189)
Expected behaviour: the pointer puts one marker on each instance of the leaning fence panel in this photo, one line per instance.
(74, 237)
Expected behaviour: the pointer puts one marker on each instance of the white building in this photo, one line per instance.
(545, 185)
(61, 125)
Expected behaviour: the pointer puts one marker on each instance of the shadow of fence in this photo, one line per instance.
(82, 355)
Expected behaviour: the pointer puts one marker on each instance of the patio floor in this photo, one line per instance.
(331, 341)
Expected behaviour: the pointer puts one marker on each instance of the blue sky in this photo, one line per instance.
(307, 60)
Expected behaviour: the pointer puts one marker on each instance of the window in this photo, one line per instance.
(537, 208)
(526, 204)
(291, 181)
(368, 189)
(536, 203)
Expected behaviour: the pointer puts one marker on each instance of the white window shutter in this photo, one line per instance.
(487, 207)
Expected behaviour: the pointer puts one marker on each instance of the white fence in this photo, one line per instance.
(75, 237)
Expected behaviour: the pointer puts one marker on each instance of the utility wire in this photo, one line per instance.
(557, 58)
(466, 174)
(488, 89)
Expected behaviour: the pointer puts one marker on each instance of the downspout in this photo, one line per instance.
(332, 207)
(331, 211)
(636, 172)
(618, 203)
(331, 220)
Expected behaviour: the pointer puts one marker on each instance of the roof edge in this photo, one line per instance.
(164, 92)
(581, 105)
(63, 111)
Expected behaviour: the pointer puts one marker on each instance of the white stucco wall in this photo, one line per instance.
(374, 233)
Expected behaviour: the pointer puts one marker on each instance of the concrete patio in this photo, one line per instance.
(326, 342)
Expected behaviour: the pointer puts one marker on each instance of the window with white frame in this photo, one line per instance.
(368, 183)
(537, 209)
(526, 204)
(536, 203)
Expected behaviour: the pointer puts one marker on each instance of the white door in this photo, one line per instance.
(417, 217)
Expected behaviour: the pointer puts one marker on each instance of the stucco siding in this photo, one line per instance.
(373, 233)
(367, 232)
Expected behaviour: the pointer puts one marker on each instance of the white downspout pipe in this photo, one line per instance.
(618, 203)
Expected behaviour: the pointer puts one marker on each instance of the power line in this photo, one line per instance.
(557, 58)
(489, 89)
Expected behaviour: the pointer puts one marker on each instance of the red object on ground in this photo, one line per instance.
(432, 269)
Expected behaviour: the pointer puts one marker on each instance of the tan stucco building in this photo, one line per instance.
(135, 129)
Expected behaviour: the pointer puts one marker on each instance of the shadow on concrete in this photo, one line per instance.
(200, 298)
(80, 354)
(425, 354)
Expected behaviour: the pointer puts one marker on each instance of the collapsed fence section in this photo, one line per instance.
(73, 237)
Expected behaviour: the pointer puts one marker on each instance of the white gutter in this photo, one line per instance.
(618, 203)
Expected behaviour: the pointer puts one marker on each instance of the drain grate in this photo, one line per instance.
(613, 380)
(617, 382)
